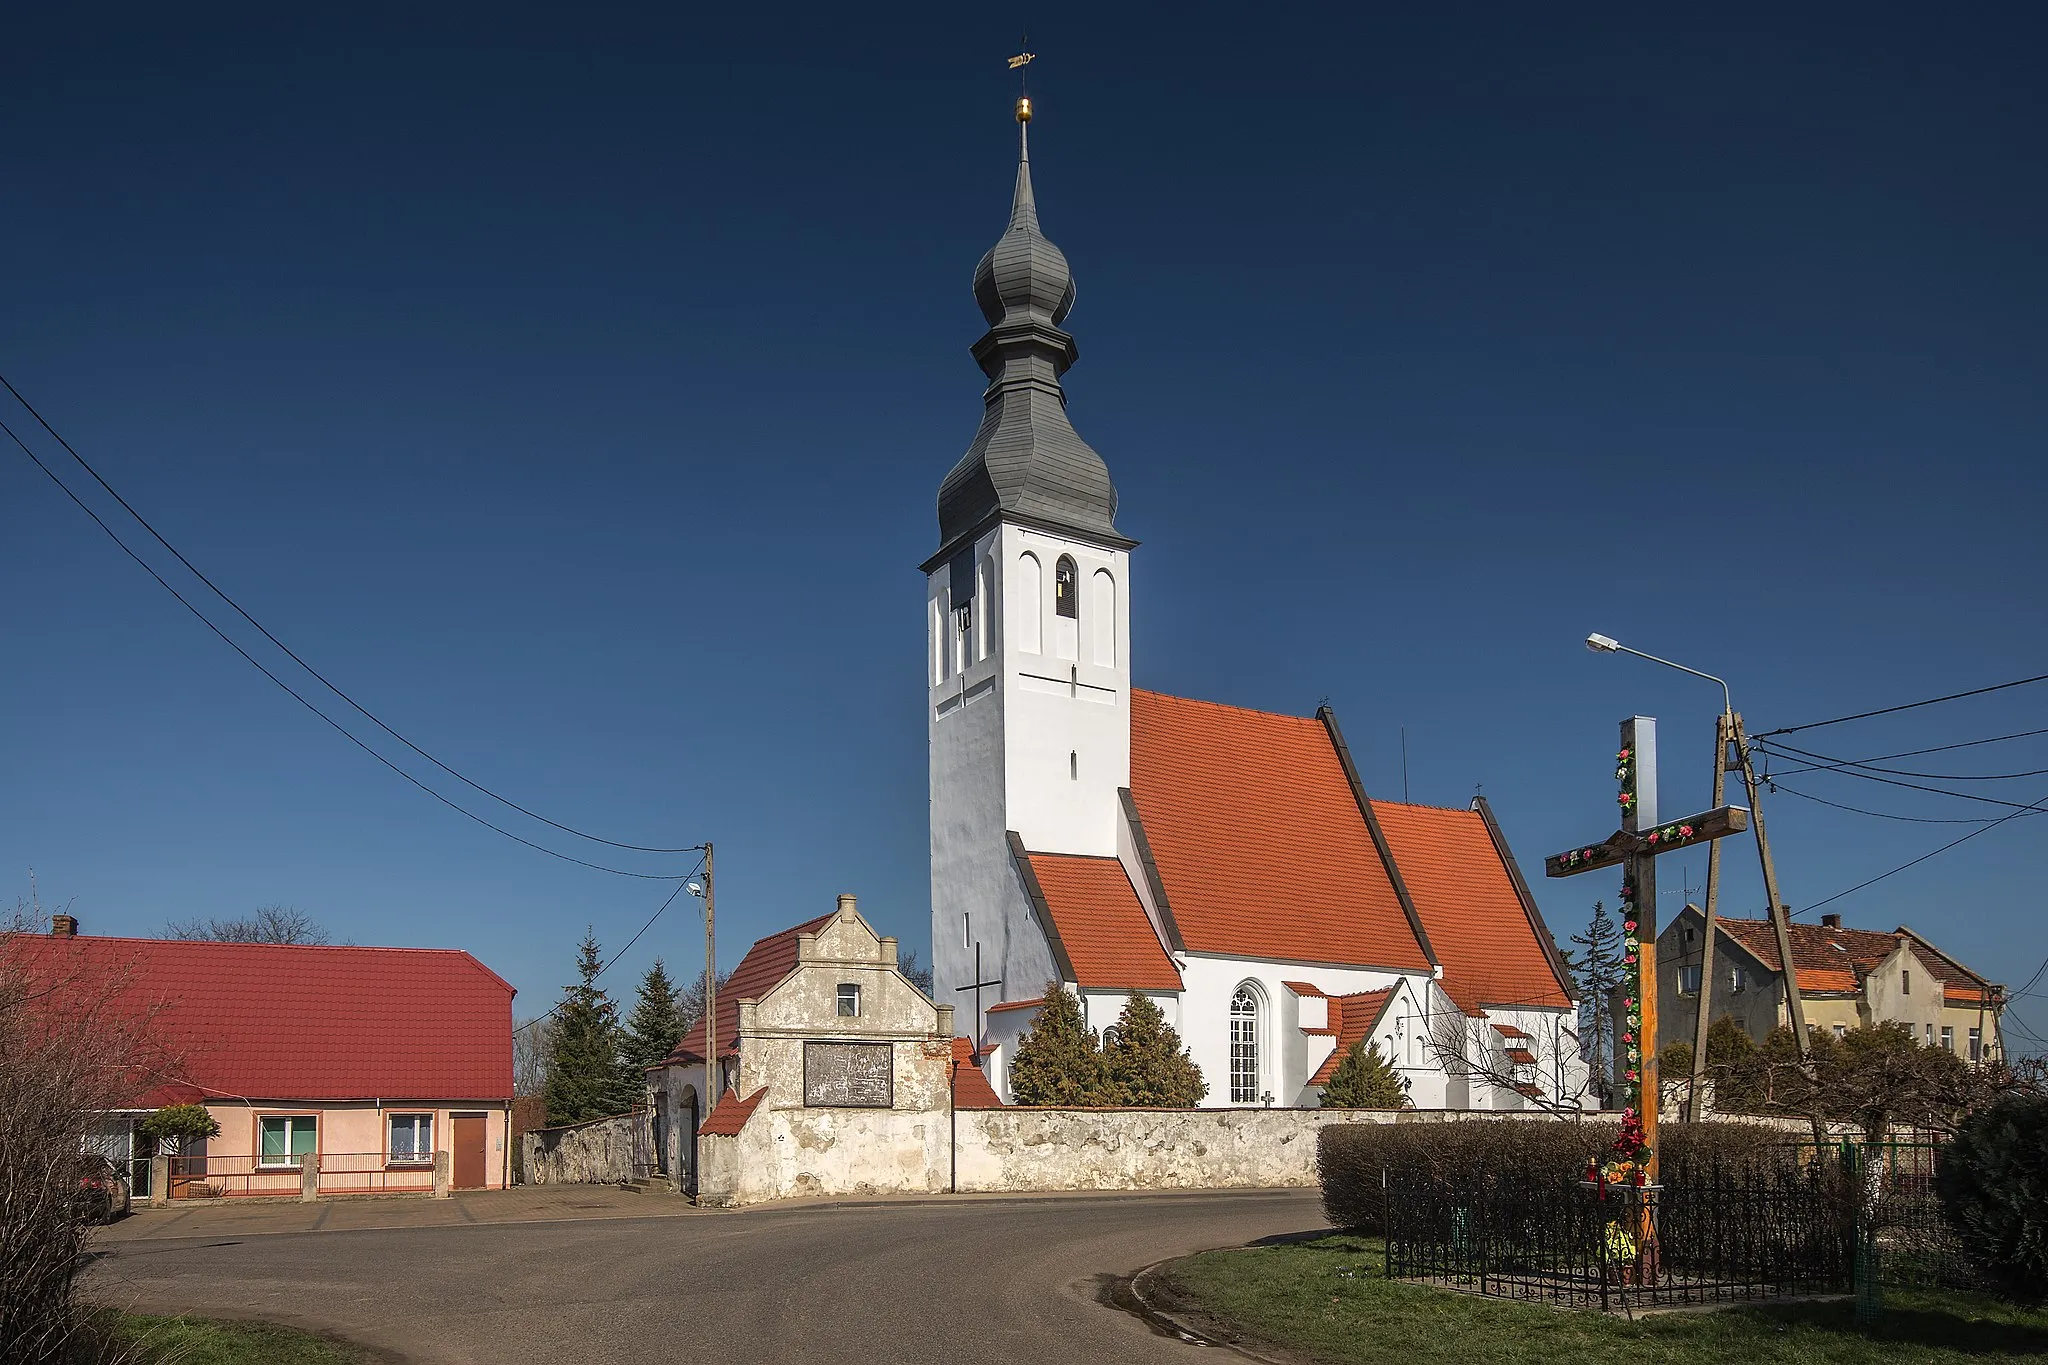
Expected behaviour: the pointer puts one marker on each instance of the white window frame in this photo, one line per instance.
(1689, 979)
(1246, 1015)
(848, 994)
(391, 1156)
(1948, 1038)
(292, 1122)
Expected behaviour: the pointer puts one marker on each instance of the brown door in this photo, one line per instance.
(469, 1152)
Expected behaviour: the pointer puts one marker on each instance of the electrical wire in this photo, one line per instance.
(339, 729)
(623, 951)
(1908, 706)
(2037, 806)
(1826, 764)
(1779, 786)
(1915, 786)
(1911, 753)
(317, 674)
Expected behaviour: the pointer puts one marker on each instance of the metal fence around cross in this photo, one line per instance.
(1712, 1233)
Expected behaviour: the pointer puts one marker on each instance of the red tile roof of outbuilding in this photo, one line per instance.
(971, 1089)
(759, 972)
(1102, 924)
(1258, 837)
(302, 1022)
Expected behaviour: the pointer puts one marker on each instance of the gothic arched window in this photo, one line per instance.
(1066, 592)
(1244, 1046)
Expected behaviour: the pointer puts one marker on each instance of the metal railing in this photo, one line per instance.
(222, 1177)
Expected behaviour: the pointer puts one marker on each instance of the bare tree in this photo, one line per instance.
(918, 972)
(271, 924)
(74, 1044)
(1470, 1049)
(690, 1000)
(533, 1049)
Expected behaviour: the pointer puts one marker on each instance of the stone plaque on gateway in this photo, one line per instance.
(849, 1076)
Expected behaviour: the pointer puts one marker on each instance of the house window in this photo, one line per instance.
(1841, 1030)
(1689, 980)
(1244, 1047)
(1738, 980)
(849, 1000)
(287, 1139)
(1948, 1039)
(1976, 1045)
(1066, 599)
(1930, 1035)
(412, 1138)
(1905, 982)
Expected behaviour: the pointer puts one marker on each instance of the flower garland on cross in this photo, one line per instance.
(1628, 1160)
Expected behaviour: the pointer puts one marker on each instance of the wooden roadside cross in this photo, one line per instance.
(1636, 846)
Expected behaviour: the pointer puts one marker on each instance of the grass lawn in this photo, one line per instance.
(203, 1341)
(1293, 1297)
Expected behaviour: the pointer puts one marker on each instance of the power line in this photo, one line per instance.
(317, 674)
(1908, 706)
(1778, 786)
(2037, 806)
(1912, 753)
(1894, 782)
(339, 729)
(623, 951)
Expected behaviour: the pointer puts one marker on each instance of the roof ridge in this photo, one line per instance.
(1222, 706)
(1425, 805)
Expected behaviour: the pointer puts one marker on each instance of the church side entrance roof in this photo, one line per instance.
(1100, 923)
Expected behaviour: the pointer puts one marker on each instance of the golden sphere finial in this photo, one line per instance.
(1023, 108)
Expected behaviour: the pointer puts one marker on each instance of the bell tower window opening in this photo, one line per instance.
(1244, 1047)
(1066, 599)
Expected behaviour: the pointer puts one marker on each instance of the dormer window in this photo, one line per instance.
(1066, 590)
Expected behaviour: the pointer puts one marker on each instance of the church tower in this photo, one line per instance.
(1027, 611)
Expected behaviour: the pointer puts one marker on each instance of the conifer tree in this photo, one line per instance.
(1365, 1080)
(1059, 1062)
(1145, 1062)
(656, 1024)
(1599, 972)
(584, 1081)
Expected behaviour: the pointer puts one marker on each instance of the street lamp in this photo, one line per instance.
(1607, 644)
(1729, 728)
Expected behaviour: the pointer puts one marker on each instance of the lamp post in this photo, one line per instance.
(1727, 727)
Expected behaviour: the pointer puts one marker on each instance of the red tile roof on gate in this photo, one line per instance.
(1102, 924)
(263, 1021)
(1258, 837)
(731, 1113)
(971, 1089)
(759, 972)
(1353, 1017)
(1492, 952)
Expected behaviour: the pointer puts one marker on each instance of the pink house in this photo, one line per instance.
(368, 1060)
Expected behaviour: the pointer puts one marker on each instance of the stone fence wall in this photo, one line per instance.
(600, 1152)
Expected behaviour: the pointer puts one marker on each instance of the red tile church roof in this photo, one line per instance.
(299, 1022)
(1352, 1017)
(1102, 924)
(1258, 837)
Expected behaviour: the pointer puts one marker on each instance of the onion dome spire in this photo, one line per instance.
(1026, 462)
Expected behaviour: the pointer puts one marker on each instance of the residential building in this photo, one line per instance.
(369, 1060)
(1227, 862)
(1848, 978)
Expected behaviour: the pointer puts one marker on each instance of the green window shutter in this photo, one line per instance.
(274, 1131)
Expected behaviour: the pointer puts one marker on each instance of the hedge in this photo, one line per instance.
(1993, 1185)
(1351, 1160)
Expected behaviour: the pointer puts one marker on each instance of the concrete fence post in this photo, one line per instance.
(309, 1178)
(444, 1173)
(160, 1181)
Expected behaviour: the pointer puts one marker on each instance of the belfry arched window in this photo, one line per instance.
(1066, 591)
(1244, 1046)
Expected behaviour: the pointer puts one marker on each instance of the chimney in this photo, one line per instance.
(63, 926)
(1830, 921)
(846, 903)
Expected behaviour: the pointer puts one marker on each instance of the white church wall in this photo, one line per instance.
(1211, 981)
(1068, 716)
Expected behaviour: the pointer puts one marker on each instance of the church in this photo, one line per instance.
(1228, 863)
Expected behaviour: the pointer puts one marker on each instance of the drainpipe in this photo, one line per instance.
(953, 1129)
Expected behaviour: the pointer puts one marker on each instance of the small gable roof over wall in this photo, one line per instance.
(301, 1021)
(1259, 839)
(1353, 1018)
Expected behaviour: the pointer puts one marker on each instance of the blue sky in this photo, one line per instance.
(573, 388)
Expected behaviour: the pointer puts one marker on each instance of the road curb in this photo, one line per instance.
(1142, 1305)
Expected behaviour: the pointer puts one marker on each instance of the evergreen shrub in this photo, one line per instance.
(1351, 1158)
(1992, 1181)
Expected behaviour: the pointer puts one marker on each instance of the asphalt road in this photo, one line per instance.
(951, 1284)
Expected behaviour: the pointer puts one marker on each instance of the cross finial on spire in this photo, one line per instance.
(1024, 58)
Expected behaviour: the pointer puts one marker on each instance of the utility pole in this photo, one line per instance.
(1723, 723)
(1781, 925)
(711, 1058)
